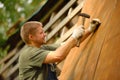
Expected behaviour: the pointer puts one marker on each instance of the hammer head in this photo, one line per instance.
(84, 15)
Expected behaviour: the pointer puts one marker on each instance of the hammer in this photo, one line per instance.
(84, 16)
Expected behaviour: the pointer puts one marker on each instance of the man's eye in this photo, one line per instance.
(41, 32)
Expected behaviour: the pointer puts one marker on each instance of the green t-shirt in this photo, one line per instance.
(31, 65)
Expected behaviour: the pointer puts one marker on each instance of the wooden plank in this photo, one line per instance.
(98, 58)
(65, 21)
(66, 35)
(12, 53)
(9, 63)
(15, 68)
(54, 7)
(60, 13)
(16, 78)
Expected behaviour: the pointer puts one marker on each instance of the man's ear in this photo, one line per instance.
(30, 37)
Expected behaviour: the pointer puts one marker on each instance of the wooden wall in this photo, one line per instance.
(98, 57)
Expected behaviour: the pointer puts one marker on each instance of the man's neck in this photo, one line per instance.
(34, 45)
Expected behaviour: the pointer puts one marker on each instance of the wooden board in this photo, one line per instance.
(65, 21)
(59, 14)
(98, 57)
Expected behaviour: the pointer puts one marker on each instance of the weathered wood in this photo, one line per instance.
(66, 35)
(55, 7)
(9, 63)
(59, 14)
(11, 54)
(65, 21)
(12, 71)
(64, 30)
(16, 78)
(45, 11)
(98, 57)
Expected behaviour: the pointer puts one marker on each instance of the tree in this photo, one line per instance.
(12, 11)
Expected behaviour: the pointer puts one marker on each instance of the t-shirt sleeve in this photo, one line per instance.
(36, 60)
(51, 47)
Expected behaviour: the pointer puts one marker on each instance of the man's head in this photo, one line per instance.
(32, 33)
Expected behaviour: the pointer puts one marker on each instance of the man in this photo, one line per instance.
(36, 58)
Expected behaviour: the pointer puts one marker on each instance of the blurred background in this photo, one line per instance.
(13, 13)
(97, 58)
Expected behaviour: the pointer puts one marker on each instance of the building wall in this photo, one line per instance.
(98, 57)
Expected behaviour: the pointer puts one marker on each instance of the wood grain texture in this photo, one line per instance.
(98, 57)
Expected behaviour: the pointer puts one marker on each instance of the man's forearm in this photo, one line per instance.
(63, 50)
(85, 35)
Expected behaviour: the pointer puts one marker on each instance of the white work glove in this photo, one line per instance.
(78, 32)
(93, 25)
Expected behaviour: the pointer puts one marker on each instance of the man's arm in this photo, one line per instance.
(60, 53)
(79, 33)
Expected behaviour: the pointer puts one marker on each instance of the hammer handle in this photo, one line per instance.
(83, 21)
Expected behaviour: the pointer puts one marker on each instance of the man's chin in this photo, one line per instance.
(44, 42)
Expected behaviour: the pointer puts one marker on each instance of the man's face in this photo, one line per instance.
(39, 37)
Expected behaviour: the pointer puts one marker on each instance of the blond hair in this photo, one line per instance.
(29, 28)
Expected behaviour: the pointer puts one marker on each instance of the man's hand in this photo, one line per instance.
(78, 32)
(93, 25)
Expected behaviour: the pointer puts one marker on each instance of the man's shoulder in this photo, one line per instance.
(29, 49)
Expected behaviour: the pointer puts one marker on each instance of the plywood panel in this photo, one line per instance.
(98, 57)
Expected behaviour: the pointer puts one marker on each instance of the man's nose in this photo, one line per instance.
(45, 34)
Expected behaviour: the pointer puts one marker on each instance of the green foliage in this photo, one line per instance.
(3, 53)
(15, 9)
(11, 11)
